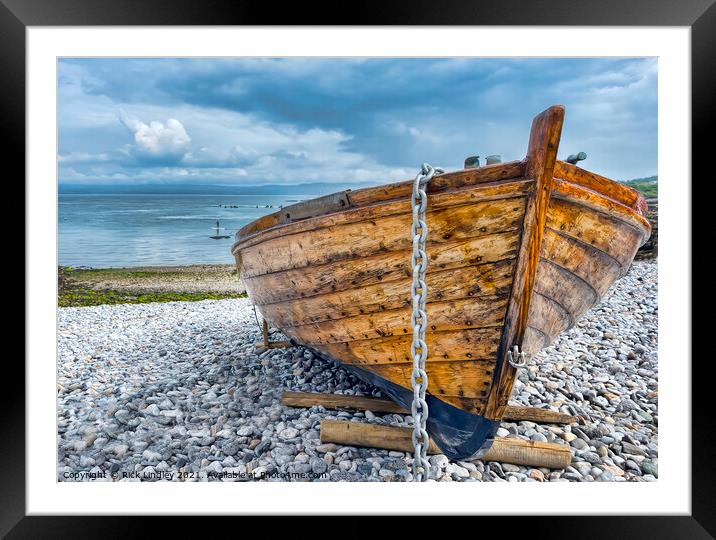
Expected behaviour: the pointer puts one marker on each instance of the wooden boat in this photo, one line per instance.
(518, 252)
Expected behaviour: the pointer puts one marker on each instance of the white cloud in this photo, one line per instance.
(157, 140)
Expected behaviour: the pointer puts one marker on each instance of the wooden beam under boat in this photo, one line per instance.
(503, 449)
(338, 401)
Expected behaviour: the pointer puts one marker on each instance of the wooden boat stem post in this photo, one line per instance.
(505, 450)
(541, 158)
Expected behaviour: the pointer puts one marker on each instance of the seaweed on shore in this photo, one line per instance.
(76, 290)
(78, 297)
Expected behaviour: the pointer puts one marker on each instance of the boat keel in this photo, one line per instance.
(459, 434)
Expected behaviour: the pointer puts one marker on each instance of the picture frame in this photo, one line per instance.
(699, 15)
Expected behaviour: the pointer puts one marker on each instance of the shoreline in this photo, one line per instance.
(84, 286)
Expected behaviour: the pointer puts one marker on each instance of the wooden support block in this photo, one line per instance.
(337, 401)
(505, 450)
(534, 414)
(362, 403)
(270, 344)
(265, 333)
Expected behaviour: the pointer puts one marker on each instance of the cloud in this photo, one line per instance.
(157, 142)
(294, 120)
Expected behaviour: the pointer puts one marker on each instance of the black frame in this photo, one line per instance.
(700, 15)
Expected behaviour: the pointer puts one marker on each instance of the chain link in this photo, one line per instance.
(419, 322)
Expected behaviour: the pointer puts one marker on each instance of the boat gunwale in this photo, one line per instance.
(522, 188)
(369, 196)
(631, 213)
(600, 203)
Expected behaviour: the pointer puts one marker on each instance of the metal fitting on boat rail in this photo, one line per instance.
(575, 158)
(517, 358)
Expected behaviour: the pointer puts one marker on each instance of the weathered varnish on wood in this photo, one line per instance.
(381, 267)
(362, 403)
(490, 279)
(459, 314)
(585, 262)
(597, 230)
(541, 158)
(517, 253)
(365, 238)
(613, 190)
(504, 450)
(395, 193)
(472, 343)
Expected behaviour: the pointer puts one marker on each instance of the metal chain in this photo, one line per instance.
(419, 322)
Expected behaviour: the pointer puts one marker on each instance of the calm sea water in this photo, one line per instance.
(114, 230)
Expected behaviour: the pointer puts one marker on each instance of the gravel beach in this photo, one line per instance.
(174, 391)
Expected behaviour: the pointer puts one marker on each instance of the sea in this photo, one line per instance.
(112, 230)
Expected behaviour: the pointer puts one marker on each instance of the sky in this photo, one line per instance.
(300, 120)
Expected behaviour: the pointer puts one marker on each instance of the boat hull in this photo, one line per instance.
(517, 253)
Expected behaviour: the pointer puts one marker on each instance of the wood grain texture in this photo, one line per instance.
(584, 261)
(571, 292)
(515, 187)
(601, 204)
(360, 198)
(574, 272)
(616, 191)
(470, 378)
(383, 234)
(598, 230)
(549, 316)
(377, 268)
(561, 298)
(468, 282)
(505, 450)
(479, 312)
(541, 158)
(444, 182)
(534, 341)
(473, 343)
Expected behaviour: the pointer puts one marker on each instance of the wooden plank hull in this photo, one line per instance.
(518, 252)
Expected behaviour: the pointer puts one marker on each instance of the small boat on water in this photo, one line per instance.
(517, 252)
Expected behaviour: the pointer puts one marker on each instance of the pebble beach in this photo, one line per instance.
(175, 391)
